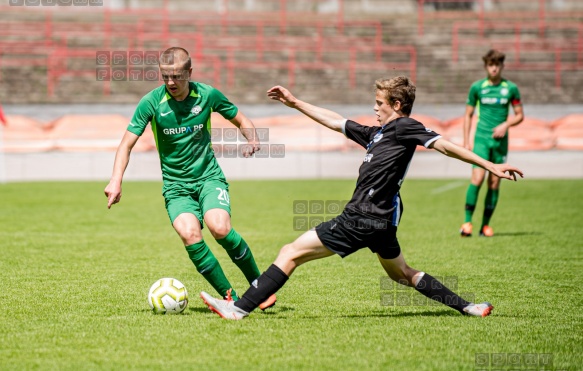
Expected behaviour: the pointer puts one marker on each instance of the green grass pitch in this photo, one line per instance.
(75, 277)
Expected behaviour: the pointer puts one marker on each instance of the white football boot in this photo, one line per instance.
(480, 310)
(224, 308)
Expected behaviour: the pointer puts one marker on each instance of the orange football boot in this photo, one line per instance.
(487, 231)
(466, 229)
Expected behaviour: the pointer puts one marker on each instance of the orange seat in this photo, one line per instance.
(531, 135)
(454, 130)
(569, 132)
(82, 133)
(24, 134)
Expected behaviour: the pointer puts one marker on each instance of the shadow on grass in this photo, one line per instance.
(204, 309)
(270, 312)
(441, 313)
(277, 309)
(426, 313)
(516, 234)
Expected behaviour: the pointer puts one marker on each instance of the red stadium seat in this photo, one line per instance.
(531, 135)
(82, 133)
(23, 134)
(569, 132)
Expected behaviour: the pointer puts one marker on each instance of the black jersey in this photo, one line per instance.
(389, 150)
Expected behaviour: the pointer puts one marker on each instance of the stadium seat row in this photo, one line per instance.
(81, 133)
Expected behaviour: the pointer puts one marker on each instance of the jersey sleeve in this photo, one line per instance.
(359, 133)
(222, 105)
(473, 96)
(412, 132)
(515, 95)
(142, 116)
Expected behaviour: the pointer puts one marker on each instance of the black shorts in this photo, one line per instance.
(350, 232)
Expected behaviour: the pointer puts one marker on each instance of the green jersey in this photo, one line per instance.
(492, 103)
(182, 130)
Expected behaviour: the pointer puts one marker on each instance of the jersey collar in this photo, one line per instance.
(167, 95)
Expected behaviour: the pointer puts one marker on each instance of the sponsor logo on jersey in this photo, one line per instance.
(195, 110)
(368, 157)
(486, 100)
(165, 113)
(182, 130)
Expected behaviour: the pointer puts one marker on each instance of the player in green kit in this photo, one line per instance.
(195, 189)
(491, 98)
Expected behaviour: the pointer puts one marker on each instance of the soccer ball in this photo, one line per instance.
(168, 296)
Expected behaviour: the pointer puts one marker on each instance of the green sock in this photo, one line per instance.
(471, 200)
(490, 205)
(207, 265)
(240, 254)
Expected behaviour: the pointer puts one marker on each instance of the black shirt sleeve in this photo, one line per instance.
(412, 132)
(359, 133)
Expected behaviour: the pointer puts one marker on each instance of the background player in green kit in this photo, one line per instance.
(195, 189)
(491, 97)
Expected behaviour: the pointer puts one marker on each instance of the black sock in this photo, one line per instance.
(262, 288)
(435, 290)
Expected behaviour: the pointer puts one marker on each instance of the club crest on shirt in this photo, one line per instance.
(196, 110)
(377, 137)
(504, 91)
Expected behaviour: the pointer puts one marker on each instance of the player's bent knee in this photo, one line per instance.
(289, 252)
(190, 236)
(220, 231)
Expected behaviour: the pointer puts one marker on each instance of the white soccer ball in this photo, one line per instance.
(168, 296)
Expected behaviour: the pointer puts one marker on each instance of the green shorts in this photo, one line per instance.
(493, 150)
(196, 198)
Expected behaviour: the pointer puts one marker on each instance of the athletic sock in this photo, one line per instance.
(471, 200)
(207, 265)
(240, 254)
(490, 205)
(262, 288)
(435, 290)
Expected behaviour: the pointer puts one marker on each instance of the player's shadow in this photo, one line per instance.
(199, 310)
(278, 309)
(426, 313)
(270, 312)
(517, 234)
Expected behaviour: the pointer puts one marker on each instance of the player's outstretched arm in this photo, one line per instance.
(245, 125)
(122, 158)
(446, 147)
(321, 115)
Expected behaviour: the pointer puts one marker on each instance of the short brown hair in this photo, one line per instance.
(176, 53)
(400, 89)
(493, 57)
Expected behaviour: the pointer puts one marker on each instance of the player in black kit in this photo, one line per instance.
(371, 217)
